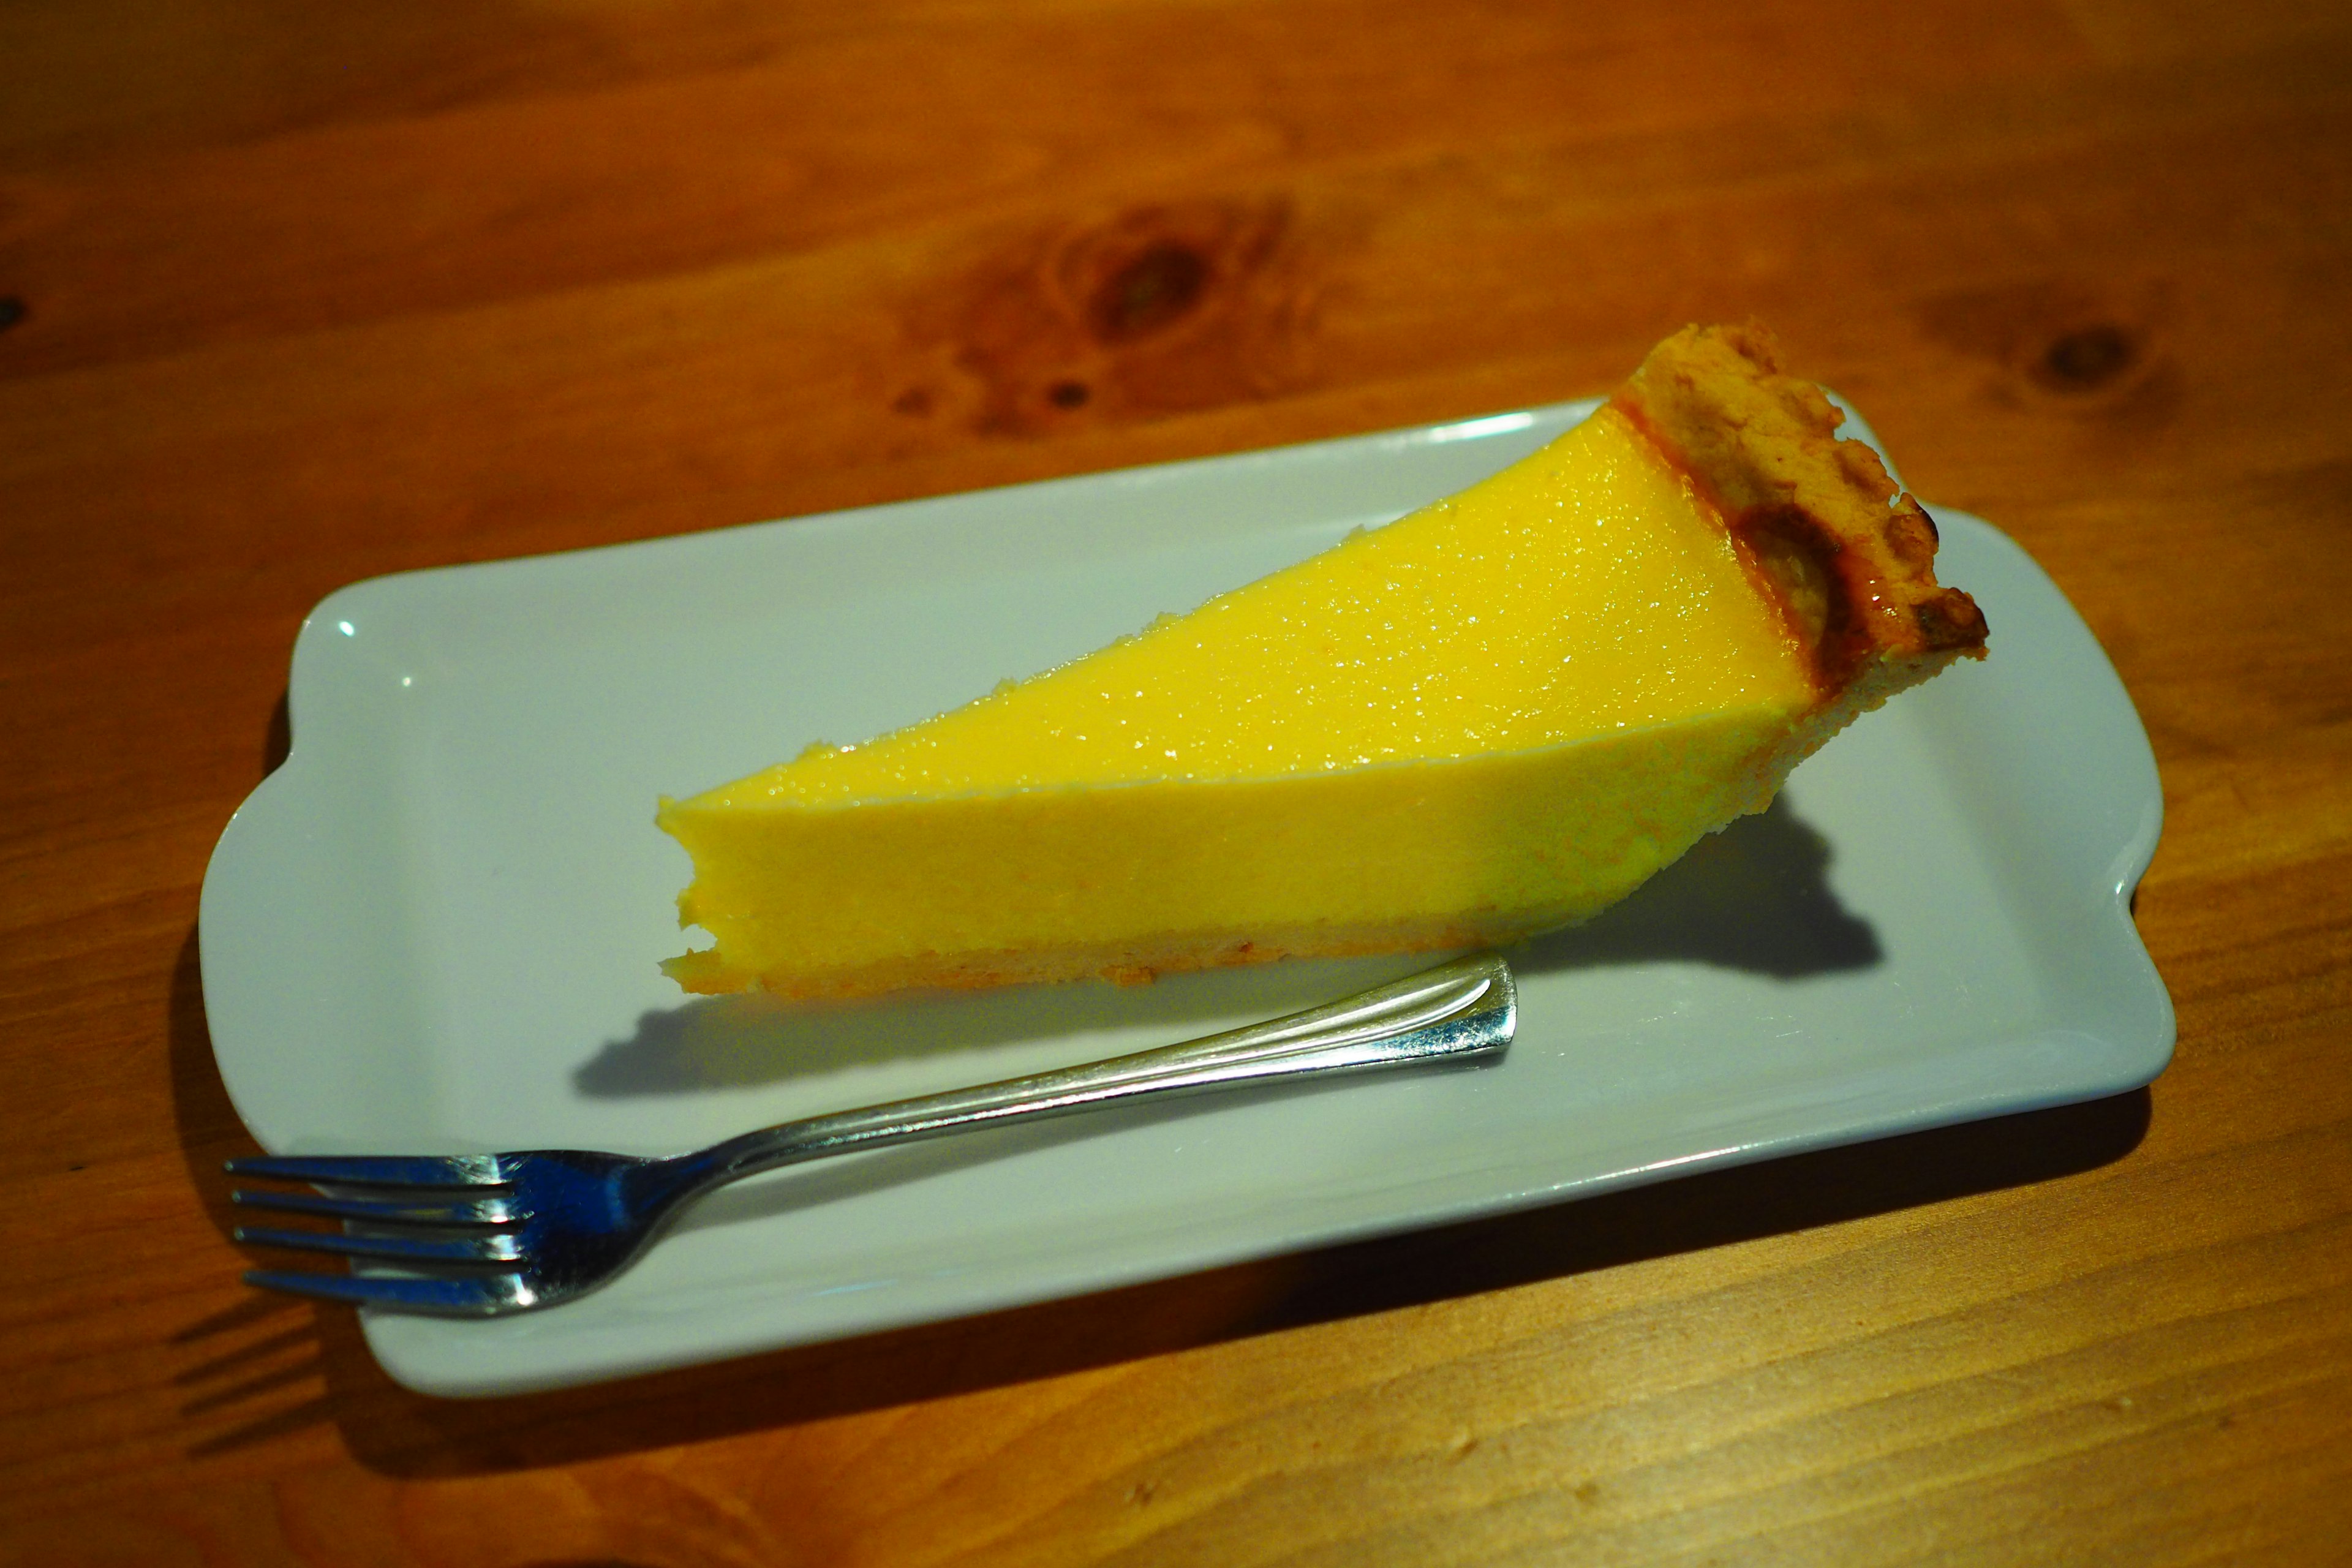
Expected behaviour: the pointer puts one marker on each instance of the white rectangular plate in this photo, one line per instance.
(434, 927)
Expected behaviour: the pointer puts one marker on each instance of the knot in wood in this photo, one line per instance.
(1151, 290)
(2089, 357)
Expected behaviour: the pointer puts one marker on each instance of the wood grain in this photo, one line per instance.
(294, 295)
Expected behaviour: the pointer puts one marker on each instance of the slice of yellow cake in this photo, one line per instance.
(1497, 715)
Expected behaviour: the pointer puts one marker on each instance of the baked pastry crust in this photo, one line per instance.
(1850, 560)
(1817, 521)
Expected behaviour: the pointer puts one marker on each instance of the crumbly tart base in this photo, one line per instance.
(1124, 962)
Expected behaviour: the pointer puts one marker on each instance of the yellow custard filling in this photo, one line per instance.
(1497, 715)
(1583, 589)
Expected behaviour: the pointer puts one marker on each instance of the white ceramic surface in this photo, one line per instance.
(436, 927)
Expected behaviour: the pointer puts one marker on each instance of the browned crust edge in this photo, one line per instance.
(1852, 562)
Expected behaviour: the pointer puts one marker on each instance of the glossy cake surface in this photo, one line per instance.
(1497, 715)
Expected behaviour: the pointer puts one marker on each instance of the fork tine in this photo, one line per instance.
(470, 1296)
(393, 1248)
(372, 1211)
(374, 1170)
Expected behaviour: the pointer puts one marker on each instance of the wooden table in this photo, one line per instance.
(296, 294)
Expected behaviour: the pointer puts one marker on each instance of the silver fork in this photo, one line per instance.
(478, 1235)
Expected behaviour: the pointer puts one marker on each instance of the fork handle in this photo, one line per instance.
(1460, 1012)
